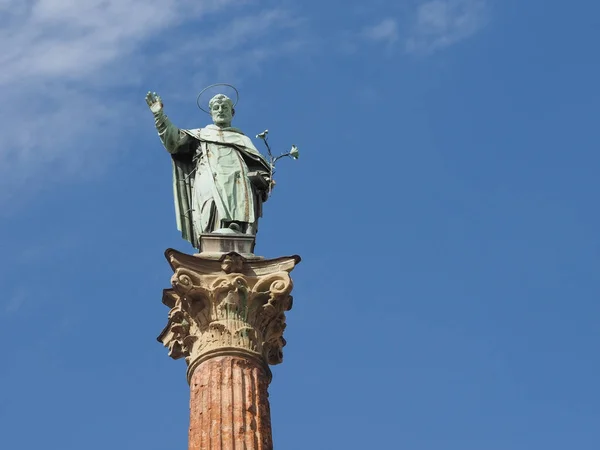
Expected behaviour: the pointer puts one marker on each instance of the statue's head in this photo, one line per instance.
(221, 109)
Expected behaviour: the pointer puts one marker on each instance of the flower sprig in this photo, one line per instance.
(293, 153)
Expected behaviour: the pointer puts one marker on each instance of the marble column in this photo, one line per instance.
(227, 320)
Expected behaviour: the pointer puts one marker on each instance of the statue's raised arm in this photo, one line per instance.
(175, 140)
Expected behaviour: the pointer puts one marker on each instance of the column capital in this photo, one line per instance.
(227, 305)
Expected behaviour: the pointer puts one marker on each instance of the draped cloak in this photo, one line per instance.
(213, 179)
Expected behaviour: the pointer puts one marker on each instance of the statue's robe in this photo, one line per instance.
(210, 179)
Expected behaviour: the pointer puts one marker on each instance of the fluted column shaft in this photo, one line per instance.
(229, 405)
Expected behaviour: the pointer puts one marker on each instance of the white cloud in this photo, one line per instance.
(63, 62)
(71, 38)
(384, 31)
(441, 23)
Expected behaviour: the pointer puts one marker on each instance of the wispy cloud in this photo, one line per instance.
(63, 62)
(72, 38)
(241, 47)
(385, 31)
(441, 23)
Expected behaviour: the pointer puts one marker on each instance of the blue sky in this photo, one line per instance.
(444, 205)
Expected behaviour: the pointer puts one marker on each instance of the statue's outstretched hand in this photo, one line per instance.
(154, 102)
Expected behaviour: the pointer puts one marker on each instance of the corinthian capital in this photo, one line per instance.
(226, 306)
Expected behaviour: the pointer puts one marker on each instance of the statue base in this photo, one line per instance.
(215, 245)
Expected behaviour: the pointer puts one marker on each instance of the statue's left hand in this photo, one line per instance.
(154, 102)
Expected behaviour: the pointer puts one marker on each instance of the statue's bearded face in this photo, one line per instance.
(221, 110)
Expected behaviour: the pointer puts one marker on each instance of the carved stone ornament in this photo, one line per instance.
(229, 305)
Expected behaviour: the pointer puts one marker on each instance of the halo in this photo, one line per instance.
(237, 95)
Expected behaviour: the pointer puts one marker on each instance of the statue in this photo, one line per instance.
(220, 180)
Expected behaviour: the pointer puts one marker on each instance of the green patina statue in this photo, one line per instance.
(220, 180)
